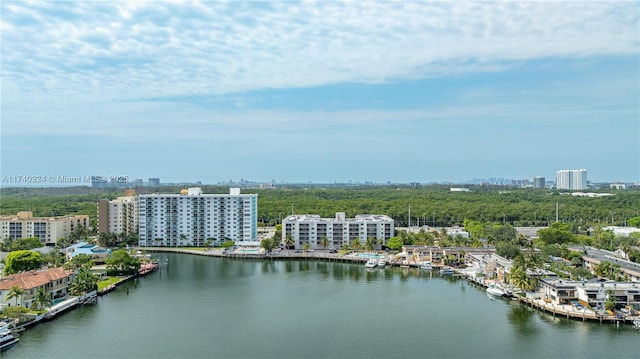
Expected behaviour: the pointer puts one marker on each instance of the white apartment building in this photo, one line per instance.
(119, 215)
(191, 218)
(311, 229)
(571, 179)
(47, 229)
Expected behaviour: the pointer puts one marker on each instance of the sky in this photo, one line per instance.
(319, 91)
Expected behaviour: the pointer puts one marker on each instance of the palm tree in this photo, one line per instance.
(288, 241)
(41, 300)
(15, 292)
(370, 244)
(324, 242)
(305, 247)
(355, 244)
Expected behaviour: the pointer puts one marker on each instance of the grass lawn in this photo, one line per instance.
(107, 282)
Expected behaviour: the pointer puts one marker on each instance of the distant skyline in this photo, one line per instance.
(320, 92)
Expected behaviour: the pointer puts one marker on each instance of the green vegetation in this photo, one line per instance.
(22, 261)
(434, 205)
(41, 301)
(102, 284)
(83, 282)
(14, 293)
(227, 244)
(120, 262)
(20, 244)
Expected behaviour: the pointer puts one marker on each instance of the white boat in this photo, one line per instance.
(7, 339)
(381, 263)
(371, 263)
(447, 271)
(5, 325)
(495, 291)
(426, 265)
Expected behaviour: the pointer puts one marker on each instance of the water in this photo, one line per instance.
(201, 307)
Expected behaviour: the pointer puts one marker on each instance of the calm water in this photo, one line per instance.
(200, 307)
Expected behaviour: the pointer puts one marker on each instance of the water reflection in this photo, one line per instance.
(521, 318)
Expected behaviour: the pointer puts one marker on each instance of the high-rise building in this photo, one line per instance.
(191, 218)
(571, 179)
(119, 215)
(538, 182)
(47, 229)
(311, 229)
(154, 182)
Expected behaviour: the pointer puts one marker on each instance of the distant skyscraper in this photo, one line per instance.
(538, 182)
(154, 182)
(571, 179)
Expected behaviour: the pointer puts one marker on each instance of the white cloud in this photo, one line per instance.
(60, 53)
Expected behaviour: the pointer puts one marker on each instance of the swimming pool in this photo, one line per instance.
(368, 255)
(58, 301)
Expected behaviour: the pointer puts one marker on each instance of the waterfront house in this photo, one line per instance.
(438, 255)
(627, 269)
(96, 253)
(55, 282)
(592, 293)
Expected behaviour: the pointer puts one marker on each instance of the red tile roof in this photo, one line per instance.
(33, 279)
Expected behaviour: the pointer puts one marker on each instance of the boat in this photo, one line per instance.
(495, 291)
(371, 263)
(447, 271)
(7, 338)
(5, 325)
(381, 263)
(426, 265)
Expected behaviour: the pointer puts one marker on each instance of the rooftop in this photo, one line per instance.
(33, 279)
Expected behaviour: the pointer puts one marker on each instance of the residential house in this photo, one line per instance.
(55, 282)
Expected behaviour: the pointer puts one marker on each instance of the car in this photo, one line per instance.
(333, 250)
(298, 251)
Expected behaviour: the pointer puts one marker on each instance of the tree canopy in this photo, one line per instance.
(22, 261)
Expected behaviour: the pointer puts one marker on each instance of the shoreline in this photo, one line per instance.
(539, 304)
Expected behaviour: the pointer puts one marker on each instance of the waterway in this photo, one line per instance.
(203, 307)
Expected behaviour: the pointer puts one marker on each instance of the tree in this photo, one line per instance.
(518, 277)
(288, 241)
(611, 302)
(507, 250)
(83, 282)
(355, 243)
(77, 262)
(305, 246)
(557, 233)
(607, 269)
(268, 244)
(15, 292)
(120, 262)
(324, 242)
(25, 243)
(22, 261)
(395, 243)
(370, 244)
(41, 300)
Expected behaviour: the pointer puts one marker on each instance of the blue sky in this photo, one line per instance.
(320, 91)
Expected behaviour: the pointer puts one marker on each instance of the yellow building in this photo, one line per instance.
(47, 229)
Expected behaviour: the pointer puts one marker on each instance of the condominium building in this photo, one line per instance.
(119, 215)
(538, 182)
(47, 229)
(191, 218)
(571, 179)
(338, 231)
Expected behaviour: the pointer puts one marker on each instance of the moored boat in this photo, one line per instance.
(381, 263)
(447, 271)
(371, 263)
(426, 265)
(495, 291)
(7, 339)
